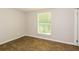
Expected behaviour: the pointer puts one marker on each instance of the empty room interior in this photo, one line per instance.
(39, 29)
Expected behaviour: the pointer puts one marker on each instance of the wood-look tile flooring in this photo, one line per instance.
(35, 44)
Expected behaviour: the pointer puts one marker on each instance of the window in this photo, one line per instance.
(44, 23)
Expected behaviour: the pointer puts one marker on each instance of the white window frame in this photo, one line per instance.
(38, 23)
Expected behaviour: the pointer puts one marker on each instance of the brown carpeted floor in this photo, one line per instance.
(36, 44)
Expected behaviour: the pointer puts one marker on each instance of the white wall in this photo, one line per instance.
(11, 24)
(62, 25)
(14, 24)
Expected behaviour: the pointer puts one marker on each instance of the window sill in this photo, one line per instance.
(44, 33)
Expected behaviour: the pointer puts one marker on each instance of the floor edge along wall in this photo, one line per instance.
(68, 43)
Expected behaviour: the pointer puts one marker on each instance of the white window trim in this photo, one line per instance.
(38, 24)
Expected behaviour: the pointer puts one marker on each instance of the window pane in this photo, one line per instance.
(44, 17)
(44, 23)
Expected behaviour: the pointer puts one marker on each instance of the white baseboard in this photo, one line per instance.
(54, 40)
(10, 40)
(39, 37)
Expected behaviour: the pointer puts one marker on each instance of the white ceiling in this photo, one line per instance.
(29, 9)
